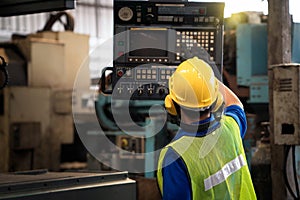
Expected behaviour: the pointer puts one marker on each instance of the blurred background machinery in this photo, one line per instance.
(36, 106)
(246, 73)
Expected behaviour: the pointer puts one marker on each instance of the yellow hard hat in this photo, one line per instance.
(193, 85)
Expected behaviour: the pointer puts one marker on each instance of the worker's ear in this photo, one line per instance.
(169, 105)
(219, 103)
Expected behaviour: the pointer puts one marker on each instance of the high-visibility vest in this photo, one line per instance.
(216, 164)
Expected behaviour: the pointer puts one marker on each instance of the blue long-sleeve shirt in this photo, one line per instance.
(176, 184)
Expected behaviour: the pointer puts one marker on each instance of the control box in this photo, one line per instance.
(286, 103)
(152, 38)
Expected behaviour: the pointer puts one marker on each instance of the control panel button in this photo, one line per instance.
(128, 73)
(202, 11)
(121, 43)
(120, 53)
(120, 73)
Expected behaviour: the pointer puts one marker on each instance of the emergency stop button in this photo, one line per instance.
(120, 72)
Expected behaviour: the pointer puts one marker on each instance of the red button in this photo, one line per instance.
(202, 11)
(120, 73)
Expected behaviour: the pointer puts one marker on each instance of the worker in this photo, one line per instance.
(206, 159)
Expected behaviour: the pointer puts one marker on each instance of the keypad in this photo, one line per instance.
(166, 73)
(186, 40)
(146, 74)
(153, 74)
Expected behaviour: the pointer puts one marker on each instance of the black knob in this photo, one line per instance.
(161, 91)
(150, 18)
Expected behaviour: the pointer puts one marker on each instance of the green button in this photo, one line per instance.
(121, 43)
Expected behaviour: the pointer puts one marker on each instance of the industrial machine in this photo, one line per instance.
(252, 70)
(34, 101)
(252, 58)
(151, 38)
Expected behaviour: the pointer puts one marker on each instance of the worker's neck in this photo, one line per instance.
(188, 120)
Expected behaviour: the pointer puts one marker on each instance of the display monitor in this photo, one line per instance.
(148, 42)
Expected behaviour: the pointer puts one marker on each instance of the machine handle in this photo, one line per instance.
(103, 88)
(69, 25)
(4, 71)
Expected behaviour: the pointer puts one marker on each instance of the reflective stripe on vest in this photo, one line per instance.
(216, 164)
(221, 175)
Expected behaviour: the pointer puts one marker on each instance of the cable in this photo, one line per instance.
(295, 171)
(287, 149)
(286, 153)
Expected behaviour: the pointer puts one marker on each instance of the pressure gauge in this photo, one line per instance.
(125, 13)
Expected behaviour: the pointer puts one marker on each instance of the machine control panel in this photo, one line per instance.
(147, 81)
(152, 38)
(150, 12)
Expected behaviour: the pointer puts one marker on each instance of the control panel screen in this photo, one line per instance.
(148, 42)
(181, 10)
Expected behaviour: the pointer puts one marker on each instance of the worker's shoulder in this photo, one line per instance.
(233, 109)
(235, 112)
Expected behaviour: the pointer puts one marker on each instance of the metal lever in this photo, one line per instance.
(3, 69)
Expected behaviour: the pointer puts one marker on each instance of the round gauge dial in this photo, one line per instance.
(125, 13)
